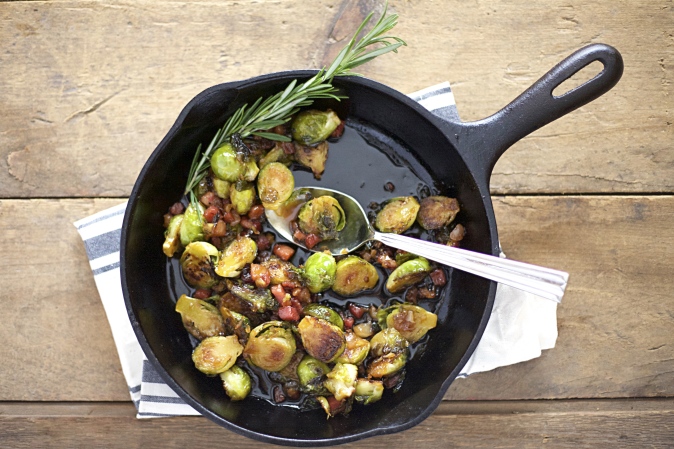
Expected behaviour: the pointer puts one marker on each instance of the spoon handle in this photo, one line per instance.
(544, 282)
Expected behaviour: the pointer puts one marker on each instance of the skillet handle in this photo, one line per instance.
(484, 141)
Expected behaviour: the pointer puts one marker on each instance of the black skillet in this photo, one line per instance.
(457, 156)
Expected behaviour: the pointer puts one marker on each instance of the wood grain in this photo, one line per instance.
(88, 89)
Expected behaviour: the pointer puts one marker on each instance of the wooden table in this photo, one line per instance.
(88, 89)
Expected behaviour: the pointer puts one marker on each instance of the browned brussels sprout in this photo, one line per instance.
(313, 157)
(235, 323)
(270, 346)
(260, 299)
(354, 275)
(319, 272)
(200, 318)
(237, 383)
(388, 341)
(172, 235)
(215, 355)
(356, 349)
(386, 365)
(197, 264)
(341, 381)
(368, 391)
(322, 216)
(310, 372)
(397, 215)
(437, 211)
(413, 322)
(324, 312)
(235, 256)
(275, 184)
(312, 126)
(321, 339)
(279, 270)
(408, 274)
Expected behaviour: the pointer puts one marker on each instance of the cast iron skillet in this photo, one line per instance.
(458, 155)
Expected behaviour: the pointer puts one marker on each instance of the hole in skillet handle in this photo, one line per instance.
(578, 79)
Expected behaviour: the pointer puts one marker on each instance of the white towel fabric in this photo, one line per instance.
(520, 327)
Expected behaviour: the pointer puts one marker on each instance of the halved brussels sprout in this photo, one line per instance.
(408, 274)
(270, 346)
(221, 187)
(368, 391)
(260, 299)
(341, 381)
(237, 383)
(215, 355)
(197, 264)
(200, 318)
(324, 312)
(243, 199)
(274, 155)
(235, 323)
(191, 227)
(354, 275)
(172, 235)
(312, 126)
(413, 322)
(235, 256)
(275, 184)
(322, 216)
(356, 349)
(388, 341)
(319, 272)
(279, 270)
(386, 365)
(226, 165)
(310, 372)
(437, 211)
(313, 157)
(397, 215)
(251, 170)
(321, 339)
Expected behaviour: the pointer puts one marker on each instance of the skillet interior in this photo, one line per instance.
(150, 301)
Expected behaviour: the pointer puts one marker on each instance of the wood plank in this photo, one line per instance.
(528, 424)
(614, 324)
(88, 88)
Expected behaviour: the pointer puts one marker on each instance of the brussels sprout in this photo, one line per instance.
(397, 215)
(172, 235)
(260, 299)
(251, 170)
(368, 391)
(200, 318)
(279, 270)
(310, 372)
(386, 365)
(312, 126)
(356, 349)
(197, 264)
(270, 346)
(221, 187)
(274, 155)
(404, 256)
(322, 216)
(275, 184)
(319, 272)
(215, 355)
(191, 227)
(235, 256)
(388, 341)
(321, 339)
(437, 211)
(235, 323)
(226, 165)
(237, 383)
(325, 313)
(341, 381)
(413, 322)
(354, 275)
(243, 199)
(408, 274)
(313, 158)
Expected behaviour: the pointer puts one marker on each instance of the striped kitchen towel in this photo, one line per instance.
(521, 325)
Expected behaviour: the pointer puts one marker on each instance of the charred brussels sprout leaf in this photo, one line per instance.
(397, 215)
(388, 341)
(321, 339)
(235, 323)
(437, 211)
(260, 299)
(341, 381)
(322, 216)
(172, 235)
(279, 270)
(368, 391)
(226, 165)
(386, 365)
(191, 227)
(200, 318)
(310, 372)
(325, 313)
(270, 346)
(356, 349)
(275, 184)
(237, 383)
(235, 256)
(413, 322)
(243, 199)
(312, 126)
(408, 274)
(319, 272)
(215, 355)
(313, 157)
(197, 264)
(354, 275)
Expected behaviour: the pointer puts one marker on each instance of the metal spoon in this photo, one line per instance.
(544, 282)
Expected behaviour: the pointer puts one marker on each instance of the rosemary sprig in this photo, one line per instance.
(277, 109)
